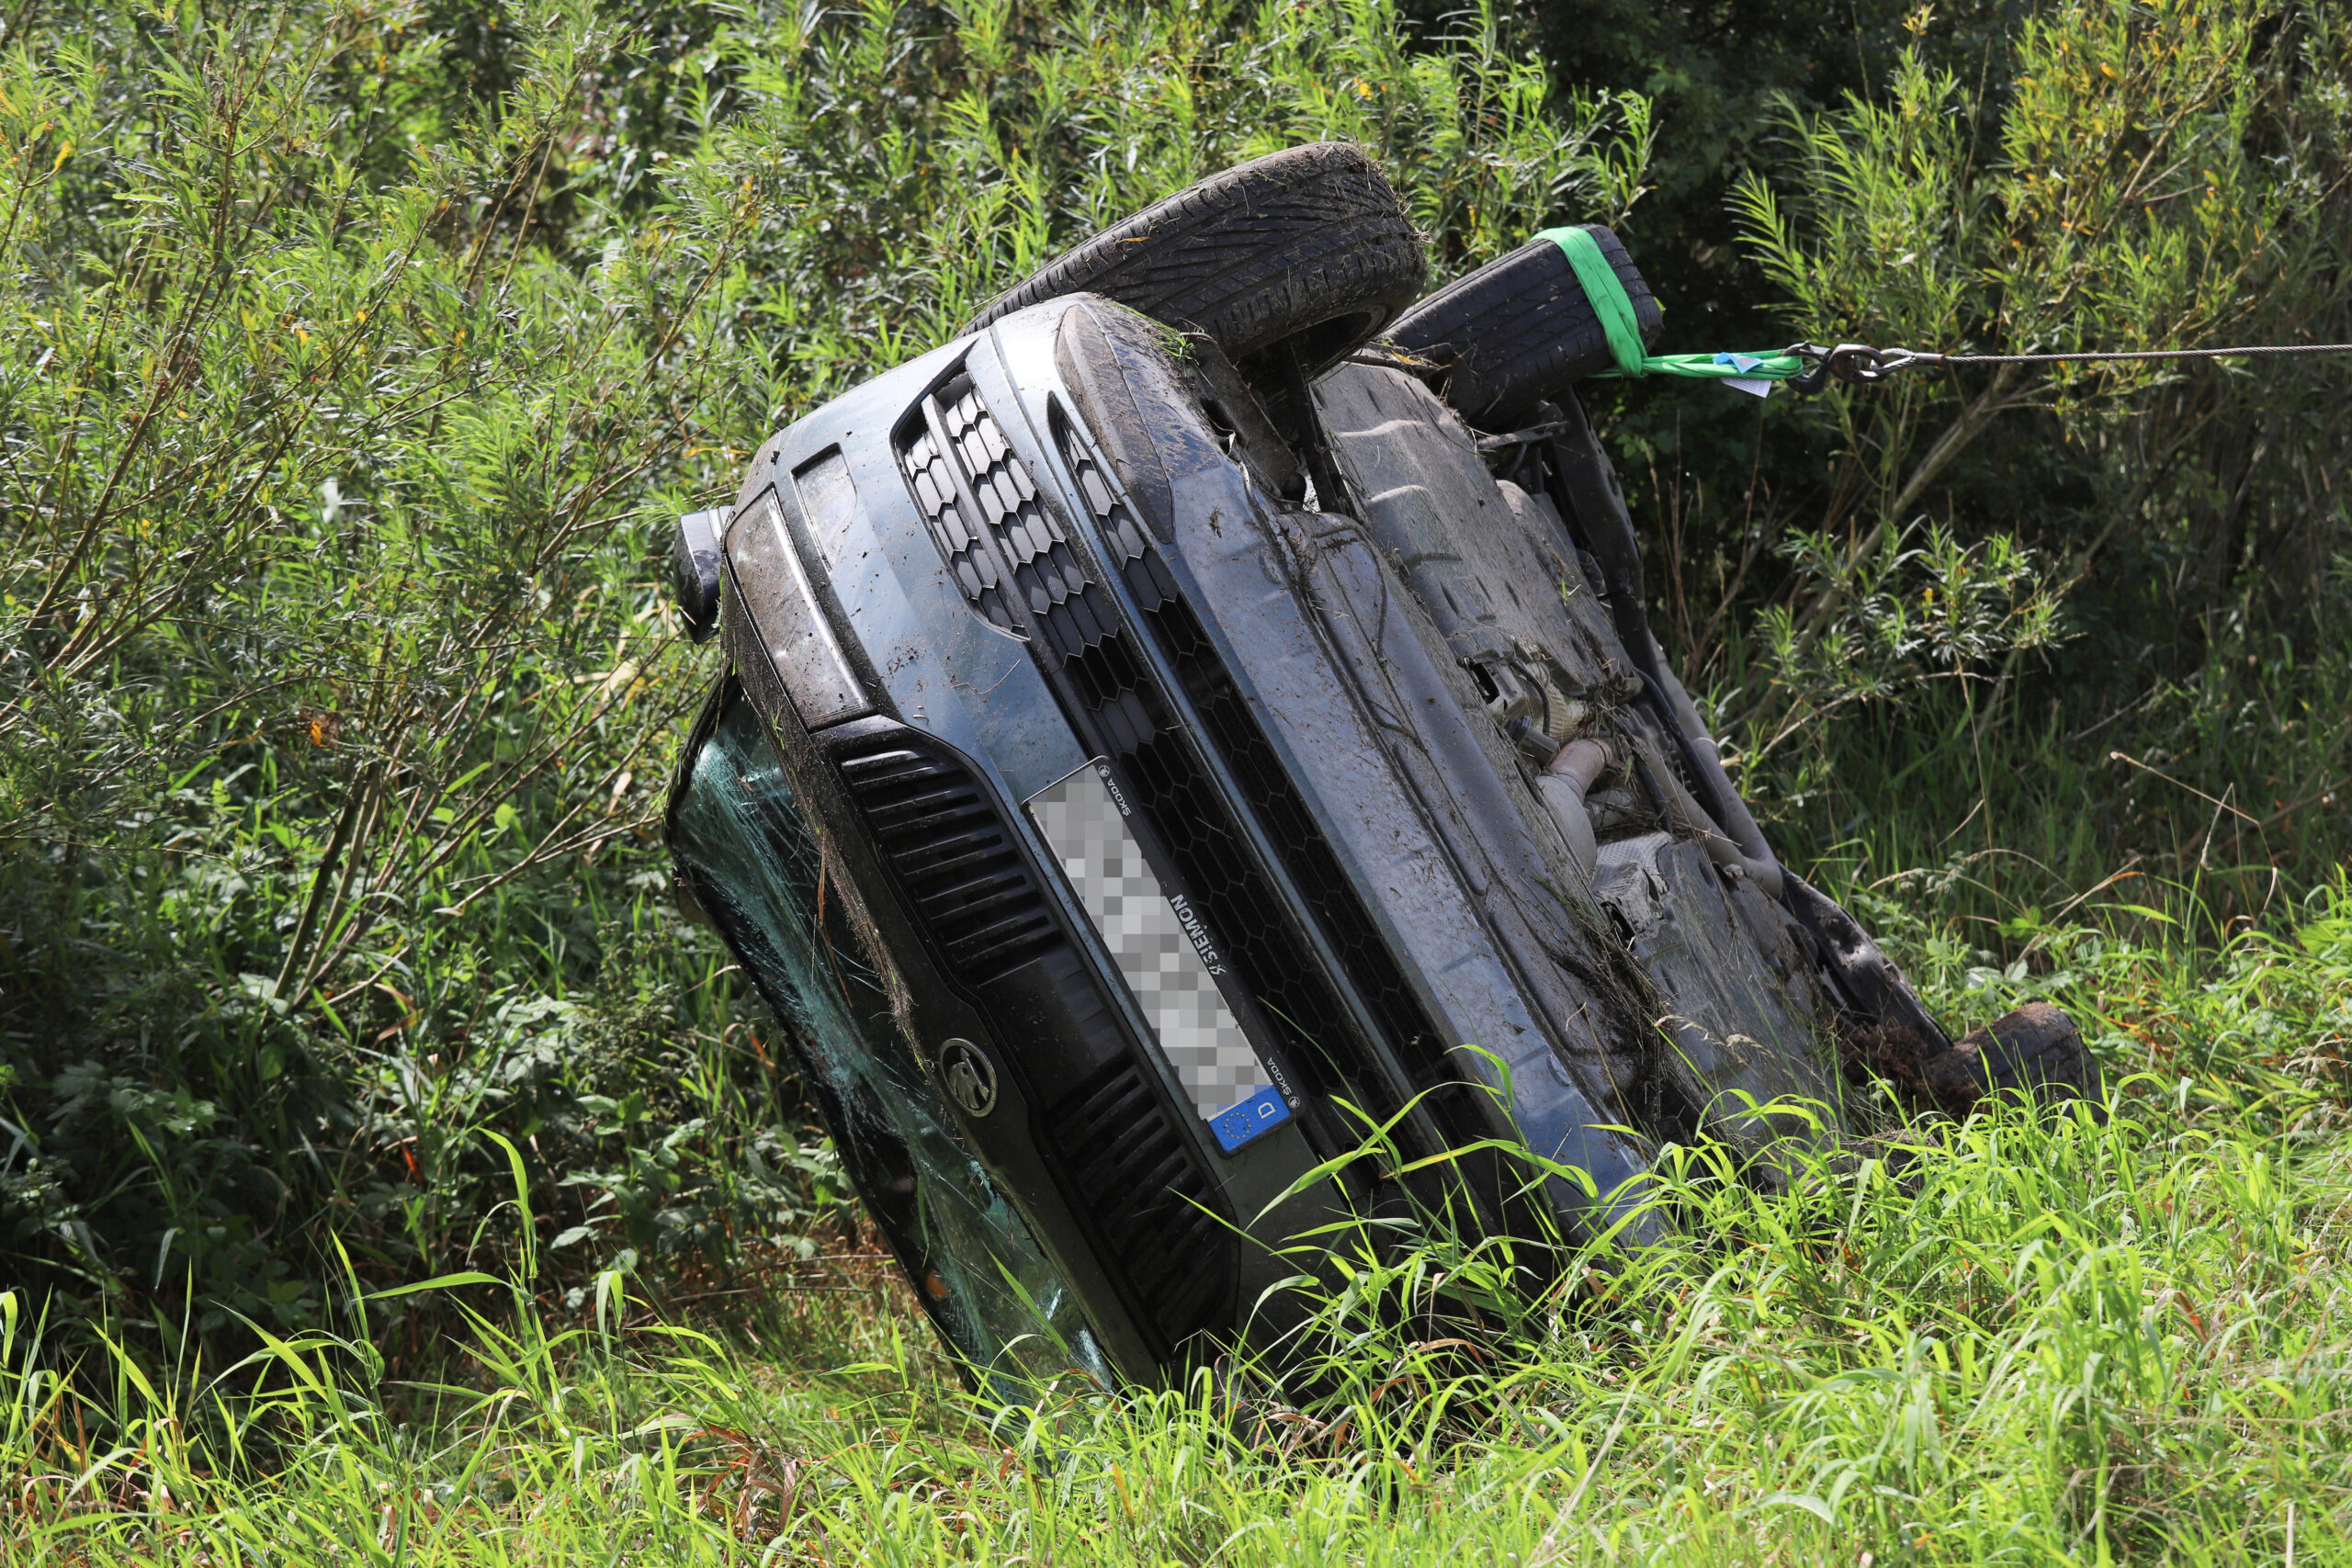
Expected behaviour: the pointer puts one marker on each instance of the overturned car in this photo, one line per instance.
(1161, 736)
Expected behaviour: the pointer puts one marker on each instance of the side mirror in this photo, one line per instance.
(694, 566)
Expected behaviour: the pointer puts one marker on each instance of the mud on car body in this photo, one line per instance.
(1155, 738)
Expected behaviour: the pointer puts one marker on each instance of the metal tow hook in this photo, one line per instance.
(1856, 363)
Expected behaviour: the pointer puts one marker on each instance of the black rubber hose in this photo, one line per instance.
(1740, 823)
(1597, 502)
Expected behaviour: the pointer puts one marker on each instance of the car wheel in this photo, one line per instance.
(2035, 1053)
(1308, 248)
(1518, 329)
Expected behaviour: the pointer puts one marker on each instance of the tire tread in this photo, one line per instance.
(1259, 253)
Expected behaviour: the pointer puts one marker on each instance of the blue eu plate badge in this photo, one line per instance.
(1262, 1112)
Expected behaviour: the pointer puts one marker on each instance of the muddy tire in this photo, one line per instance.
(1518, 329)
(2034, 1053)
(1308, 248)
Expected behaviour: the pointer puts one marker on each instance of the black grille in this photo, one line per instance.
(1135, 1179)
(952, 856)
(1046, 571)
(1266, 786)
(943, 513)
(1118, 711)
(1148, 1189)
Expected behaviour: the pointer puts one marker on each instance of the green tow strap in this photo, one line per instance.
(1606, 293)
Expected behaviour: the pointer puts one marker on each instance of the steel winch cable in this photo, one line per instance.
(1810, 367)
(1860, 364)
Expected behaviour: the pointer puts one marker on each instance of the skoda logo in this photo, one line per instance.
(969, 1077)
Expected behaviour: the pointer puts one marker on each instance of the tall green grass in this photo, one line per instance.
(2027, 1337)
(1994, 810)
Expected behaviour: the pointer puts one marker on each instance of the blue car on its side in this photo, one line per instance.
(1160, 737)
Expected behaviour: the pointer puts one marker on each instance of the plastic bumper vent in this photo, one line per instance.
(952, 856)
(1152, 1192)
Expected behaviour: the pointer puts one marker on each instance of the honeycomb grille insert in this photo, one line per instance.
(1046, 575)
(943, 513)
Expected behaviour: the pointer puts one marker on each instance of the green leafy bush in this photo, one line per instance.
(2117, 177)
